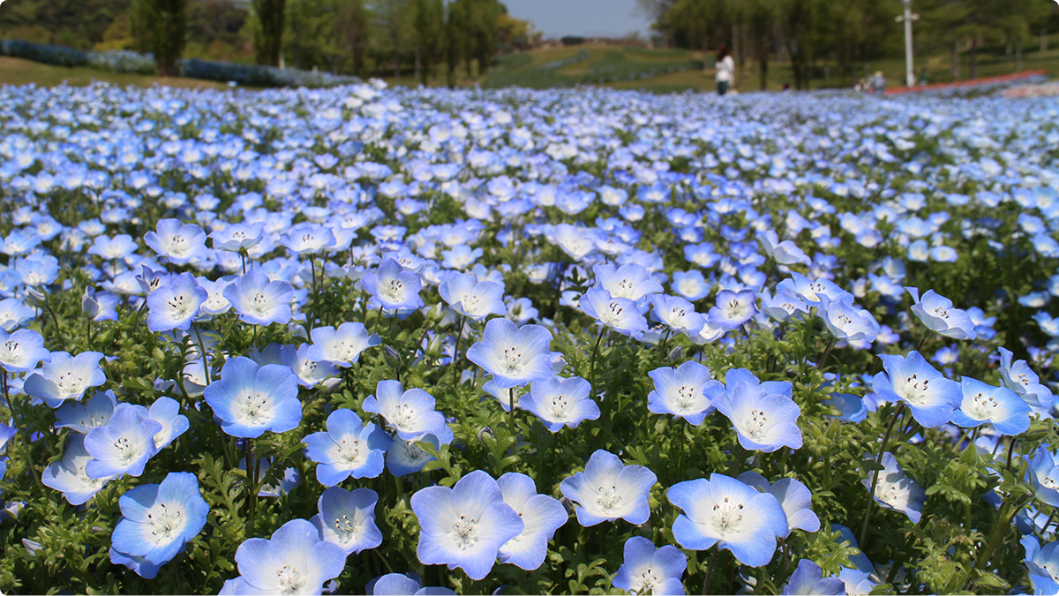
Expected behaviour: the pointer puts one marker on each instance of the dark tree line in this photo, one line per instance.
(849, 33)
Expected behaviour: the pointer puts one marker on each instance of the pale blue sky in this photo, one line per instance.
(556, 18)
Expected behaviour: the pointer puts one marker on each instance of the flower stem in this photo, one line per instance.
(456, 352)
(709, 571)
(592, 367)
(513, 423)
(875, 474)
(202, 346)
(827, 352)
(251, 498)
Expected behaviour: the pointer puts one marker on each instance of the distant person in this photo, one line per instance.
(862, 86)
(725, 70)
(786, 86)
(923, 80)
(878, 83)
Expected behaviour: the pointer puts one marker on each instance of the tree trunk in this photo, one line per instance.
(1018, 55)
(955, 60)
(416, 75)
(1044, 40)
(974, 56)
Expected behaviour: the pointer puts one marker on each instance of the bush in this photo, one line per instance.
(123, 61)
(256, 75)
(43, 53)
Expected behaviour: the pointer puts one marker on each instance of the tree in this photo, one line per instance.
(393, 18)
(428, 24)
(761, 19)
(268, 36)
(160, 27)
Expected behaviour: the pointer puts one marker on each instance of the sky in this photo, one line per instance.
(556, 18)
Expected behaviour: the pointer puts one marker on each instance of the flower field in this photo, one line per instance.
(394, 341)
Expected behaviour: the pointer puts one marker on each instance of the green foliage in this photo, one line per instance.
(160, 28)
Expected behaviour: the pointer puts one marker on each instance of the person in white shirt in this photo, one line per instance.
(725, 70)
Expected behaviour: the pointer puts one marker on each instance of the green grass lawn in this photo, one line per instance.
(15, 71)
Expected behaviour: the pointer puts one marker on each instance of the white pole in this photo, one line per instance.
(908, 43)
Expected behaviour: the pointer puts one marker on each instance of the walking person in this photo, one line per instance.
(725, 70)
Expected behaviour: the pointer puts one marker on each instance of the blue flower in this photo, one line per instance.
(514, 356)
(629, 281)
(68, 475)
(678, 314)
(725, 512)
(294, 561)
(646, 569)
(1042, 561)
(472, 298)
(541, 515)
(1044, 475)
(620, 314)
(785, 252)
(65, 377)
(810, 290)
(251, 399)
(347, 518)
(260, 301)
(913, 380)
(984, 404)
(348, 448)
(560, 402)
(399, 584)
(846, 321)
(22, 350)
(609, 490)
(341, 347)
(850, 408)
(410, 412)
(808, 578)
(393, 288)
(159, 519)
(896, 491)
(101, 306)
(937, 314)
(690, 284)
(794, 497)
(404, 457)
(763, 421)
(179, 242)
(732, 309)
(310, 372)
(686, 392)
(166, 411)
(464, 526)
(122, 446)
(175, 304)
(1021, 379)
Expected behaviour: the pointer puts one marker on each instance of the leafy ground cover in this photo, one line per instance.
(514, 341)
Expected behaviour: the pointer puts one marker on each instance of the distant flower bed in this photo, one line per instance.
(127, 61)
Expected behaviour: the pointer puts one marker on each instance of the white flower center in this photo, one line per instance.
(465, 532)
(289, 580)
(558, 411)
(251, 409)
(166, 523)
(346, 528)
(607, 498)
(756, 426)
(350, 450)
(512, 364)
(727, 516)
